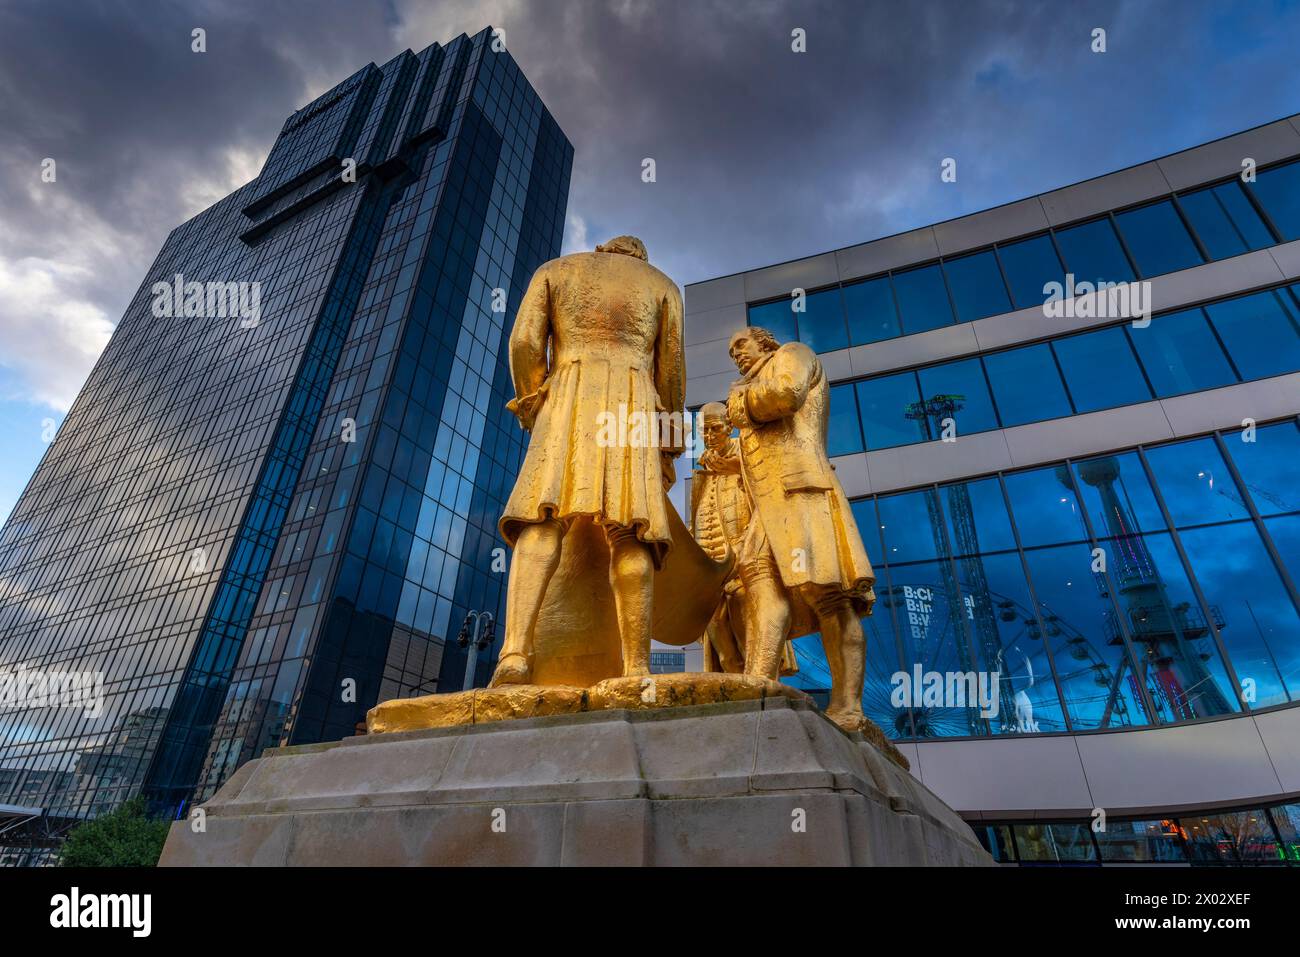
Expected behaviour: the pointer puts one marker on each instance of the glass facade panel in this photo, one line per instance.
(1260, 630)
(1231, 837)
(911, 524)
(1055, 844)
(1117, 495)
(1262, 332)
(1030, 265)
(1157, 239)
(1093, 254)
(957, 390)
(996, 839)
(922, 299)
(977, 519)
(1225, 221)
(884, 404)
(1093, 669)
(1269, 465)
(1026, 385)
(1196, 484)
(1008, 641)
(843, 433)
(1141, 842)
(1044, 507)
(931, 621)
(871, 310)
(1286, 818)
(976, 285)
(1278, 191)
(1181, 354)
(821, 324)
(1171, 633)
(777, 318)
(1100, 370)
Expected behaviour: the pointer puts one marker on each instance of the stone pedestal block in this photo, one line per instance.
(757, 782)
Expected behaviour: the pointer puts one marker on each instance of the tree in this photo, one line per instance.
(125, 837)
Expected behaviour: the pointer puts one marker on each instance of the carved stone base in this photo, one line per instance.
(765, 781)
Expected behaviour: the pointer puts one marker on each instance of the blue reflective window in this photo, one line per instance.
(1141, 842)
(1260, 629)
(1176, 653)
(1278, 191)
(930, 619)
(1030, 265)
(909, 524)
(1225, 220)
(1100, 370)
(1117, 495)
(777, 318)
(958, 389)
(864, 514)
(1270, 466)
(884, 404)
(1195, 483)
(1261, 332)
(1092, 669)
(1285, 532)
(1180, 354)
(821, 324)
(1044, 507)
(871, 310)
(1009, 643)
(977, 287)
(1092, 252)
(1157, 239)
(977, 519)
(1026, 385)
(843, 432)
(922, 299)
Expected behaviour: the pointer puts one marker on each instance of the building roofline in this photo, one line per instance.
(1011, 202)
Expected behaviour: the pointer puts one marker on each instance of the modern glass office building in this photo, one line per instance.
(271, 507)
(1101, 509)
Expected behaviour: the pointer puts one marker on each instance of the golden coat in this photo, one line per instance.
(781, 408)
(597, 334)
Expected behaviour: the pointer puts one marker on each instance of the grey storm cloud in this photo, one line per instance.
(762, 154)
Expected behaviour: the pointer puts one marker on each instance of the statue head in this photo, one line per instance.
(714, 424)
(750, 345)
(626, 245)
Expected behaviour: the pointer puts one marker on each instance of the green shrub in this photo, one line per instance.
(125, 837)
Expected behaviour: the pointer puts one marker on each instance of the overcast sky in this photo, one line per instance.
(762, 154)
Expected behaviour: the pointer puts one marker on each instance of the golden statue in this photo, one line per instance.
(596, 358)
(723, 520)
(805, 541)
(603, 563)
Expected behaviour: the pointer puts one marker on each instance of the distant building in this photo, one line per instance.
(276, 495)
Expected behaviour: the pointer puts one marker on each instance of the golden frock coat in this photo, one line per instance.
(781, 408)
(596, 333)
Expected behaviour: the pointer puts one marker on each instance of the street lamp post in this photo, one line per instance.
(476, 643)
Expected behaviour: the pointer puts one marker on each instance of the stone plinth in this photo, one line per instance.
(766, 781)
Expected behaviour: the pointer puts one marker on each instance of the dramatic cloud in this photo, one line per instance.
(762, 154)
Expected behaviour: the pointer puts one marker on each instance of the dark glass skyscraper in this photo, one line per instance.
(271, 503)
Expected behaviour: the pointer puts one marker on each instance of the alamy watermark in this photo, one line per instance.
(946, 689)
(208, 300)
(31, 688)
(1099, 300)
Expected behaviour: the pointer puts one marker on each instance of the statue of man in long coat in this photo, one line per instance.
(781, 405)
(597, 334)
